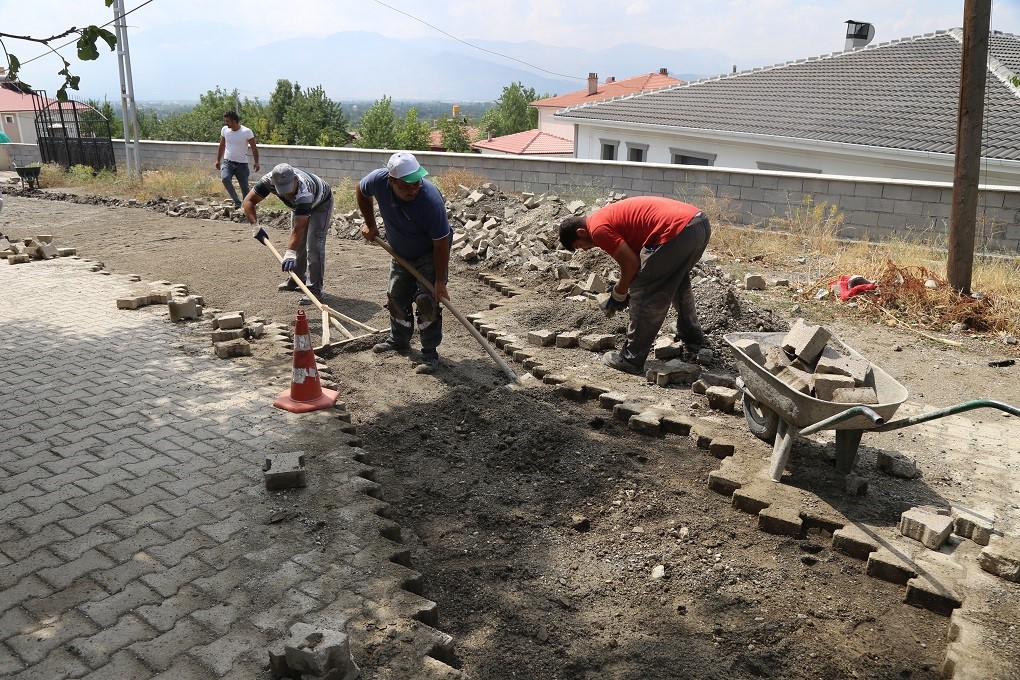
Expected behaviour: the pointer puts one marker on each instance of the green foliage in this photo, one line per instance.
(280, 100)
(412, 133)
(80, 173)
(95, 119)
(204, 122)
(454, 135)
(86, 46)
(315, 120)
(378, 128)
(512, 112)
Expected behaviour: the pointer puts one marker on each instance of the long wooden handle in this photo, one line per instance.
(449, 305)
(334, 314)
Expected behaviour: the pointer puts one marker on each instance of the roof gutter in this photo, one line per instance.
(843, 147)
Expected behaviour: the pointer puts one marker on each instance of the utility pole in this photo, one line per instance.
(127, 92)
(969, 121)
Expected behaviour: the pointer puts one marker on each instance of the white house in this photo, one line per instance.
(886, 110)
(555, 138)
(17, 116)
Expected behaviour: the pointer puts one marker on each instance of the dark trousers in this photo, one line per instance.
(403, 292)
(664, 278)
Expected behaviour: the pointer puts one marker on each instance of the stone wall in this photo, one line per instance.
(871, 208)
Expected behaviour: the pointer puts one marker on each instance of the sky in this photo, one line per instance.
(752, 32)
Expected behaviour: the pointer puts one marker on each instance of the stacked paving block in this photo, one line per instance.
(809, 363)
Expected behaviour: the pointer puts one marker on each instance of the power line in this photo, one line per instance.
(464, 42)
(114, 20)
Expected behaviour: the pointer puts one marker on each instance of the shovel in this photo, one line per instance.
(329, 315)
(449, 305)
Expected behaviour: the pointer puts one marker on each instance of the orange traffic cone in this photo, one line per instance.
(305, 393)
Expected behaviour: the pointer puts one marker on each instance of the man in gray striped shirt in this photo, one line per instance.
(310, 199)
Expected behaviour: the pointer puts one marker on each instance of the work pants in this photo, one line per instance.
(664, 278)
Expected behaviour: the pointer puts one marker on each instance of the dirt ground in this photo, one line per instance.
(537, 522)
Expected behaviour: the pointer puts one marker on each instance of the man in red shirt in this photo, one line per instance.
(656, 241)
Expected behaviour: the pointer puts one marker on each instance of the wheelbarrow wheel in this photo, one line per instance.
(762, 421)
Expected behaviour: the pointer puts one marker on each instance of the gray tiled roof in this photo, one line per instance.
(900, 94)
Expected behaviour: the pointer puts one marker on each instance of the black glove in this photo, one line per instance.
(613, 304)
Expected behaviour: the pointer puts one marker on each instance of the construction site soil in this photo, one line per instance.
(556, 542)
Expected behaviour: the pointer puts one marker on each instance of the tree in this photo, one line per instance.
(86, 45)
(96, 118)
(280, 100)
(204, 122)
(413, 133)
(315, 120)
(377, 129)
(512, 112)
(454, 136)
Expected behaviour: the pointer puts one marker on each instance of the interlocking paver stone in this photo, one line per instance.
(108, 610)
(159, 652)
(131, 497)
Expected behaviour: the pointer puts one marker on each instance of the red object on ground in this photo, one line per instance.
(849, 286)
(305, 393)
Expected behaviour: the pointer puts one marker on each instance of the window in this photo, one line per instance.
(609, 147)
(637, 153)
(765, 165)
(8, 119)
(687, 157)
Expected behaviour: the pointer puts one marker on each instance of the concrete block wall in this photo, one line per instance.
(875, 209)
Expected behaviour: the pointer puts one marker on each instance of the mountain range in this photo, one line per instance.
(184, 60)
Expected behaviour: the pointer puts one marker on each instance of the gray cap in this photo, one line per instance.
(282, 178)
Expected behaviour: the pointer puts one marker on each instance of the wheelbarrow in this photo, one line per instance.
(776, 412)
(30, 174)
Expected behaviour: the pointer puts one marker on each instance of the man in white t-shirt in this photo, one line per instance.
(232, 156)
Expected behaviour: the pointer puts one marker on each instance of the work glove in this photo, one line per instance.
(614, 301)
(290, 261)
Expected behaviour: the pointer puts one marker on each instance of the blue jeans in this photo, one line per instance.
(229, 170)
(403, 291)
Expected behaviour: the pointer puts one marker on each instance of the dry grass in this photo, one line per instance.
(184, 180)
(912, 288)
(448, 180)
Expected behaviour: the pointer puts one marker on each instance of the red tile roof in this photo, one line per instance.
(529, 142)
(436, 138)
(617, 88)
(13, 102)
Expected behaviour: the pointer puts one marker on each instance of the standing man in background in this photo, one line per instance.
(232, 156)
(414, 214)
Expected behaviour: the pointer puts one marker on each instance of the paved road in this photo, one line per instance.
(135, 532)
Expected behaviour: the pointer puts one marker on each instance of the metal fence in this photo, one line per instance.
(72, 133)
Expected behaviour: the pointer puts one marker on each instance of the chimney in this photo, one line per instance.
(593, 83)
(610, 79)
(858, 34)
(488, 135)
(663, 71)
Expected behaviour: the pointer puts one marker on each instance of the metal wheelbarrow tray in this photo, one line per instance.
(773, 409)
(30, 174)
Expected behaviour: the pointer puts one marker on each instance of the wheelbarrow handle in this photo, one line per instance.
(949, 411)
(852, 412)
